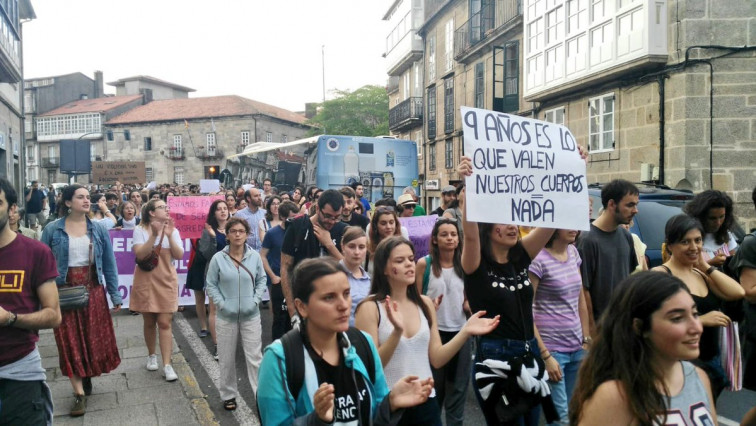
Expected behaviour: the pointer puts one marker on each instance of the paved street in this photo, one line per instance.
(133, 395)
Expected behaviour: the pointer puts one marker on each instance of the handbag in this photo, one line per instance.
(76, 297)
(150, 262)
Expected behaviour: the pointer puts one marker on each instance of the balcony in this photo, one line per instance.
(50, 162)
(405, 52)
(409, 113)
(492, 20)
(174, 153)
(209, 154)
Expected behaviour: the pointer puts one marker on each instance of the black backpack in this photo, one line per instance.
(294, 355)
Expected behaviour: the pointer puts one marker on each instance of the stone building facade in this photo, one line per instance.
(185, 140)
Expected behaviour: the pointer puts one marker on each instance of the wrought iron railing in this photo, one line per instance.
(50, 162)
(482, 24)
(408, 110)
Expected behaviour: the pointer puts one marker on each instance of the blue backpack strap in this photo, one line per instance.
(293, 348)
(426, 274)
(362, 346)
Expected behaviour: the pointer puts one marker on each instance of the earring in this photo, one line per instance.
(69, 211)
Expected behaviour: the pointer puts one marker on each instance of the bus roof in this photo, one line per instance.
(258, 147)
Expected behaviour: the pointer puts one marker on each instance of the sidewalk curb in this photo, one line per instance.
(192, 390)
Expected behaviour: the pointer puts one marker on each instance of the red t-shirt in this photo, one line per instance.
(25, 264)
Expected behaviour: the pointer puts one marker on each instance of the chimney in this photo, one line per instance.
(146, 95)
(99, 89)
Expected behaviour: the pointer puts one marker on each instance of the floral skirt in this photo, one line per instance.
(85, 338)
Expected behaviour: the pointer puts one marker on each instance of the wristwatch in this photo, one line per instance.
(11, 319)
(710, 270)
(587, 340)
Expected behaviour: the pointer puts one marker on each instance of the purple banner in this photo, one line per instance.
(419, 229)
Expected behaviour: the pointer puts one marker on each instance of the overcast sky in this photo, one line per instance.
(266, 50)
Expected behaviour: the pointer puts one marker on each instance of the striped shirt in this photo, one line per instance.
(555, 306)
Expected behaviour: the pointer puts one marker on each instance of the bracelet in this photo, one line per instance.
(710, 270)
(11, 319)
(547, 357)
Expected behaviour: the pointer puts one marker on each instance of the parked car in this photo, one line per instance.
(657, 203)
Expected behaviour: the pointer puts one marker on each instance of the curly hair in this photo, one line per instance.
(699, 208)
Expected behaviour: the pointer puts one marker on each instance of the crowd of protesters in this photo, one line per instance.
(555, 322)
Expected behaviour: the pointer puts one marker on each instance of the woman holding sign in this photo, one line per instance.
(155, 292)
(495, 262)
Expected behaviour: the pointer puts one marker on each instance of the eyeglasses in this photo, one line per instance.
(161, 207)
(384, 209)
(330, 217)
(237, 231)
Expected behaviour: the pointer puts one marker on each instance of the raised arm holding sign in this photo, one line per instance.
(531, 170)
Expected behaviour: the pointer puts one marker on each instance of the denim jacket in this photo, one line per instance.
(55, 236)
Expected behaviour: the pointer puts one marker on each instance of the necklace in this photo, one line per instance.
(512, 281)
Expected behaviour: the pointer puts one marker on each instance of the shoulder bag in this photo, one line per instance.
(76, 297)
(151, 261)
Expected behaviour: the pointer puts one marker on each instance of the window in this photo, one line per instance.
(419, 143)
(51, 176)
(449, 46)
(268, 137)
(417, 87)
(449, 105)
(577, 15)
(148, 144)
(30, 154)
(431, 112)
(507, 77)
(431, 58)
(554, 25)
(149, 174)
(480, 85)
(210, 144)
(406, 78)
(244, 138)
(555, 116)
(284, 138)
(432, 157)
(601, 123)
(178, 175)
(51, 151)
(535, 35)
(449, 154)
(177, 142)
(28, 124)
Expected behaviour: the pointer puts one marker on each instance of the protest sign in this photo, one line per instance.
(122, 241)
(419, 229)
(525, 172)
(127, 172)
(190, 213)
(209, 186)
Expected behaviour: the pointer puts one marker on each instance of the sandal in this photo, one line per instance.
(230, 404)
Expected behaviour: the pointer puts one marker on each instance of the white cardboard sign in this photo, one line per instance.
(525, 172)
(209, 186)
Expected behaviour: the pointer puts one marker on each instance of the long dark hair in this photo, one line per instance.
(621, 352)
(67, 195)
(374, 238)
(679, 225)
(268, 214)
(380, 286)
(436, 253)
(305, 274)
(486, 250)
(699, 208)
(211, 220)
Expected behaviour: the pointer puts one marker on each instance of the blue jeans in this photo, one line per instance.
(561, 391)
(503, 349)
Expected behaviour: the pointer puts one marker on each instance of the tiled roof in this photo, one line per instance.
(150, 79)
(203, 108)
(93, 105)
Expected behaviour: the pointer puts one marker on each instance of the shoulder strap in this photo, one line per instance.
(426, 274)
(361, 345)
(293, 348)
(251, 275)
(669, 271)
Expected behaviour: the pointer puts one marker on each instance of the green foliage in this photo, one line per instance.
(363, 112)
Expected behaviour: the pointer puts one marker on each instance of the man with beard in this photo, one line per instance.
(359, 191)
(309, 237)
(253, 214)
(28, 302)
(346, 213)
(607, 250)
(448, 195)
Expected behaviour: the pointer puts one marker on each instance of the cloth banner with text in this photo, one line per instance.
(190, 213)
(525, 172)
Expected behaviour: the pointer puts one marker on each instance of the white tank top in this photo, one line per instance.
(450, 314)
(411, 354)
(78, 251)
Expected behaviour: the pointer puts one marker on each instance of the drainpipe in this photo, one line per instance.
(660, 80)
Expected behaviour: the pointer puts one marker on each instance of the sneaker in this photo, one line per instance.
(215, 353)
(170, 375)
(152, 364)
(79, 406)
(203, 333)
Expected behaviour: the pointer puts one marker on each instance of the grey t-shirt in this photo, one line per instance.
(608, 258)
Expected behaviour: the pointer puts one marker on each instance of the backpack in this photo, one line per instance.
(293, 348)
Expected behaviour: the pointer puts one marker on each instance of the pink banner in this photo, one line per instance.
(190, 213)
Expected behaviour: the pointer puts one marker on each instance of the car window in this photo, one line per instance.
(651, 219)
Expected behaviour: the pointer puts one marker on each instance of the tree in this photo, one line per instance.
(363, 112)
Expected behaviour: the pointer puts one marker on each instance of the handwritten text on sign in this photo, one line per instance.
(108, 172)
(190, 213)
(529, 169)
(419, 229)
